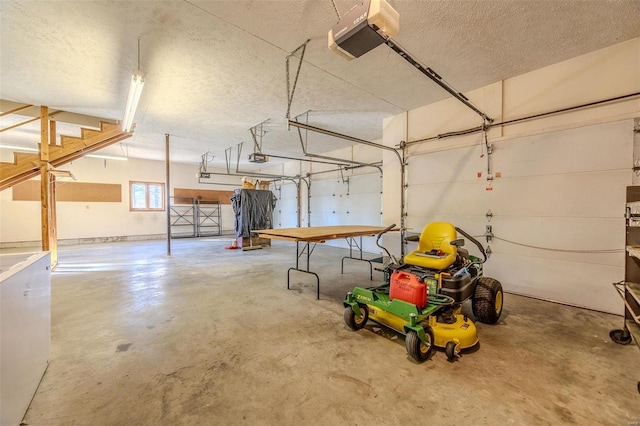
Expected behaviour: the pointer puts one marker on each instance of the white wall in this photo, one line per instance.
(563, 177)
(285, 214)
(20, 220)
(354, 201)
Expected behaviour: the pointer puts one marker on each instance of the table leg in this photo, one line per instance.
(308, 251)
(352, 243)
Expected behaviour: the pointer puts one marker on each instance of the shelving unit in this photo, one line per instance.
(190, 217)
(208, 218)
(629, 289)
(182, 217)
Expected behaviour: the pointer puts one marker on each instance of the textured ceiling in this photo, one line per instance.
(216, 68)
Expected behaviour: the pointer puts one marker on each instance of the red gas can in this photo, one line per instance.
(406, 287)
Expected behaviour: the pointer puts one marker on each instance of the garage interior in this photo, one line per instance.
(516, 121)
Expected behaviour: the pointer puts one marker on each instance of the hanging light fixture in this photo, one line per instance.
(135, 90)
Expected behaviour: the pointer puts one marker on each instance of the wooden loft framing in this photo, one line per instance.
(51, 155)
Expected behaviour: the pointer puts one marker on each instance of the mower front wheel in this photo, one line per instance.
(416, 348)
(353, 321)
(451, 350)
(487, 300)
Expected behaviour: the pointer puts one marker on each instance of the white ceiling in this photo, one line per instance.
(216, 68)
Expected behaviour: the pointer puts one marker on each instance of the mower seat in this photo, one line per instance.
(435, 250)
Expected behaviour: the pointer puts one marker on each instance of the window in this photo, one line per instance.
(146, 196)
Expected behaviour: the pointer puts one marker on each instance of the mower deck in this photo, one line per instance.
(453, 335)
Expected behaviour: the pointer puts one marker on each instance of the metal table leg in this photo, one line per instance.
(307, 248)
(353, 243)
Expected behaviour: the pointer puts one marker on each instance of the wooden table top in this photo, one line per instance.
(318, 234)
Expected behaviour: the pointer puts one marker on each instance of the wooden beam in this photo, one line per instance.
(28, 121)
(64, 117)
(91, 140)
(53, 221)
(19, 124)
(52, 132)
(13, 111)
(44, 205)
(58, 160)
(44, 133)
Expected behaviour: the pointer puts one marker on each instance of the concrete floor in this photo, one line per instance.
(212, 336)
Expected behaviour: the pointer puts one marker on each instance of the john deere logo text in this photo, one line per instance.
(363, 298)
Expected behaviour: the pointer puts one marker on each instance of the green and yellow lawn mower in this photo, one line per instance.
(422, 296)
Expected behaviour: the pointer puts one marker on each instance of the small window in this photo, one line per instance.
(146, 196)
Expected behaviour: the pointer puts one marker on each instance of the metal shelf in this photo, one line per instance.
(191, 218)
(208, 218)
(634, 290)
(629, 289)
(182, 218)
(626, 291)
(634, 251)
(634, 329)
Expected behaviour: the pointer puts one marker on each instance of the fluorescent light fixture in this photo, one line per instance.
(107, 157)
(19, 148)
(135, 90)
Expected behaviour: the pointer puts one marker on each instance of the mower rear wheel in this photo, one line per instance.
(353, 321)
(416, 348)
(487, 300)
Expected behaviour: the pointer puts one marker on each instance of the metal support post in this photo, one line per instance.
(168, 193)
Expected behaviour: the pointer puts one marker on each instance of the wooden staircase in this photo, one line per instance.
(52, 155)
(26, 166)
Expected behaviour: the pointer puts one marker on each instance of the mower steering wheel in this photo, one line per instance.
(476, 242)
(387, 229)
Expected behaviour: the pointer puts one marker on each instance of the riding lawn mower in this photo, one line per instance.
(422, 296)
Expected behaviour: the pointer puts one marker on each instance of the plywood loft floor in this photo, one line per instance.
(211, 336)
